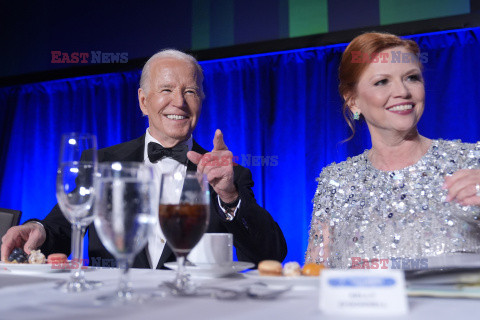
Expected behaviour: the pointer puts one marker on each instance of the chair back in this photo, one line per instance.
(8, 218)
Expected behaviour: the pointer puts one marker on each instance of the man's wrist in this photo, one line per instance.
(229, 198)
(230, 204)
(229, 209)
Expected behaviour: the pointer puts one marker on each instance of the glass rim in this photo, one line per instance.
(184, 174)
(79, 134)
(107, 170)
(106, 164)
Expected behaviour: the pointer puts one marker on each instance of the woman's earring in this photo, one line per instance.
(356, 116)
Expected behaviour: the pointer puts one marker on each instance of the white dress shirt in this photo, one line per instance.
(156, 239)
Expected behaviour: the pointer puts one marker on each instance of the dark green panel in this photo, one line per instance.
(200, 24)
(394, 11)
(221, 23)
(307, 17)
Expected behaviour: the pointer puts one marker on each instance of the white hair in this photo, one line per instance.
(167, 53)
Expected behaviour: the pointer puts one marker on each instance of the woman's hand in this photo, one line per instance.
(464, 187)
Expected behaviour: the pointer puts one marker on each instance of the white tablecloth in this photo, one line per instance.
(34, 297)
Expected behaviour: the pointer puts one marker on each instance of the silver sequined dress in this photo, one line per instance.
(360, 211)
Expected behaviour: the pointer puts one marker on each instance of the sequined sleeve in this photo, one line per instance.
(467, 156)
(319, 236)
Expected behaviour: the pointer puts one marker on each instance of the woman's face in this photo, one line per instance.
(390, 95)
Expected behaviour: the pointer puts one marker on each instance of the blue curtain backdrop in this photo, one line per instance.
(280, 113)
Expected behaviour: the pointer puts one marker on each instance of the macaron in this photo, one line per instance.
(270, 268)
(312, 269)
(57, 258)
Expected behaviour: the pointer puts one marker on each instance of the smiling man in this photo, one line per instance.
(171, 95)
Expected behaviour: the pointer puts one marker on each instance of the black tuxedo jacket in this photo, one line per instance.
(256, 235)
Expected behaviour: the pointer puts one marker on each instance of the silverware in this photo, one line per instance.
(177, 291)
(257, 290)
(262, 291)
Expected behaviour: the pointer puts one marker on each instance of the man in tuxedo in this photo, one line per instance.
(171, 95)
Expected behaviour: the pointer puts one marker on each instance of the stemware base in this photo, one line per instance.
(175, 289)
(120, 298)
(78, 286)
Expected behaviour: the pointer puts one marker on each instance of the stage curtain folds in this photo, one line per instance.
(280, 114)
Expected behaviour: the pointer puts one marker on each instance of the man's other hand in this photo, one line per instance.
(29, 237)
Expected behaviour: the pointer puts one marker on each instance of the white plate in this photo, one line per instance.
(300, 281)
(29, 268)
(215, 271)
(454, 260)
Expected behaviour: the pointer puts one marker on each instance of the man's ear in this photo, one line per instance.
(142, 97)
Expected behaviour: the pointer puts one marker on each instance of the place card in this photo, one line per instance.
(363, 292)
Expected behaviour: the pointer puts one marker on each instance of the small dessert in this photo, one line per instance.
(57, 258)
(292, 269)
(36, 257)
(312, 269)
(18, 256)
(270, 268)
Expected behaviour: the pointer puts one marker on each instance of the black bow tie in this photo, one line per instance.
(157, 152)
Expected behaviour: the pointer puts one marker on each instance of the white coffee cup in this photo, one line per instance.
(213, 248)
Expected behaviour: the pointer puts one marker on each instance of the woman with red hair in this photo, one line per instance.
(408, 196)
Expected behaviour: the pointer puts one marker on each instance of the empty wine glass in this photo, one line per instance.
(75, 193)
(184, 210)
(125, 211)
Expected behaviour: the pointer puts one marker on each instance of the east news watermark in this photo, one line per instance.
(83, 264)
(390, 263)
(245, 160)
(92, 57)
(393, 56)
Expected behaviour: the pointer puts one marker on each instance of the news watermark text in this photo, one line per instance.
(94, 57)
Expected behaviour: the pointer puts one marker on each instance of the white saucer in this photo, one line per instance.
(213, 270)
(26, 268)
(300, 281)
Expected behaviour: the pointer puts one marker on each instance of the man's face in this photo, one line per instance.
(173, 100)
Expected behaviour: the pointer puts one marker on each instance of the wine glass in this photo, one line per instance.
(75, 193)
(125, 210)
(184, 210)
